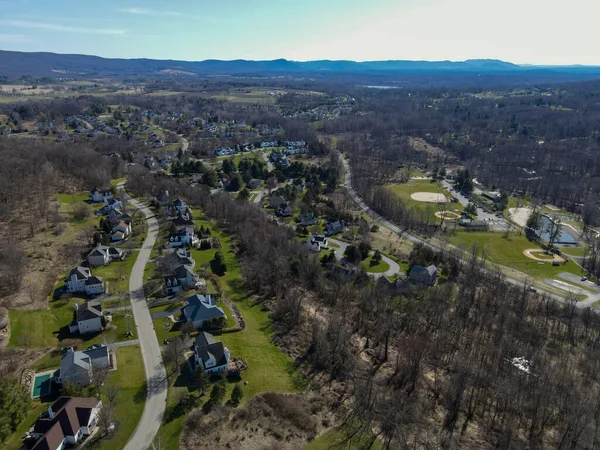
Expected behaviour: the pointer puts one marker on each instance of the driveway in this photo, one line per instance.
(394, 267)
(156, 375)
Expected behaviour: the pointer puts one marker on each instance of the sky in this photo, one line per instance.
(518, 31)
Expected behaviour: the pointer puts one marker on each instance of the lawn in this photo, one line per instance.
(68, 202)
(116, 274)
(508, 252)
(32, 328)
(381, 267)
(405, 190)
(131, 378)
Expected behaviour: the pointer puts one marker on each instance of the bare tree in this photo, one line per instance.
(111, 391)
(106, 417)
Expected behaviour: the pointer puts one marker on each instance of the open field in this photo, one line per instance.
(423, 195)
(508, 252)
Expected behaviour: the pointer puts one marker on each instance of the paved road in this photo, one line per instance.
(156, 375)
(394, 267)
(415, 239)
(270, 166)
(184, 144)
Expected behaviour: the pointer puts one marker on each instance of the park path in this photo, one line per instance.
(156, 376)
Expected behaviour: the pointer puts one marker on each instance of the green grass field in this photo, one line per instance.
(405, 190)
(32, 328)
(116, 274)
(131, 378)
(508, 252)
(379, 268)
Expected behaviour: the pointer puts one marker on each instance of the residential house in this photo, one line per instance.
(177, 207)
(307, 219)
(334, 227)
(284, 210)
(102, 255)
(184, 278)
(113, 203)
(66, 422)
(183, 237)
(180, 257)
(295, 144)
(275, 201)
(162, 198)
(116, 215)
(120, 232)
(210, 355)
(268, 144)
(423, 276)
(317, 243)
(397, 286)
(254, 184)
(201, 308)
(88, 318)
(183, 221)
(81, 280)
(295, 150)
(78, 367)
(99, 196)
(299, 184)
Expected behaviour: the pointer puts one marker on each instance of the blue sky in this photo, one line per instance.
(520, 31)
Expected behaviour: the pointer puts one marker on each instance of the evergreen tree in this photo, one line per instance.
(236, 395)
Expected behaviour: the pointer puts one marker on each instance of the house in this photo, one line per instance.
(78, 367)
(268, 144)
(177, 207)
(399, 285)
(116, 215)
(102, 255)
(307, 219)
(66, 422)
(184, 277)
(295, 144)
(81, 280)
(162, 198)
(88, 318)
(317, 243)
(275, 201)
(201, 308)
(183, 221)
(99, 196)
(113, 203)
(299, 184)
(295, 150)
(210, 355)
(180, 257)
(183, 237)
(254, 184)
(120, 232)
(334, 227)
(423, 276)
(284, 210)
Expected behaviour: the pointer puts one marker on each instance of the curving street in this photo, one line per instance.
(156, 376)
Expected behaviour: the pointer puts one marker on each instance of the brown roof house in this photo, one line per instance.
(66, 422)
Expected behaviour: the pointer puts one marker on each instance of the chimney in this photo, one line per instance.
(50, 412)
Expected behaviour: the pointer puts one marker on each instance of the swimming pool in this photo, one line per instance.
(42, 385)
(567, 235)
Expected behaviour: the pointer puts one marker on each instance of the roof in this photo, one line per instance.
(93, 280)
(207, 347)
(202, 308)
(88, 311)
(182, 220)
(70, 414)
(183, 271)
(81, 273)
(178, 202)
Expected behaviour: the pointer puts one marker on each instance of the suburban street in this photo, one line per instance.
(415, 239)
(156, 375)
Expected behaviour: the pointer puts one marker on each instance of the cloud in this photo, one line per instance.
(136, 11)
(60, 28)
(13, 39)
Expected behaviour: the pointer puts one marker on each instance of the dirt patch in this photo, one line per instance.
(538, 255)
(429, 197)
(423, 146)
(447, 215)
(520, 215)
(566, 286)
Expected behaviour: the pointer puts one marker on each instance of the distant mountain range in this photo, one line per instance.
(60, 65)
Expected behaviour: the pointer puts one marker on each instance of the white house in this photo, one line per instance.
(177, 207)
(88, 317)
(113, 203)
(78, 367)
(183, 237)
(81, 280)
(317, 243)
(103, 255)
(296, 144)
(211, 355)
(184, 277)
(121, 231)
(98, 196)
(268, 144)
(66, 422)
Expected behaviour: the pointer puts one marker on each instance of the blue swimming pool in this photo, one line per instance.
(567, 235)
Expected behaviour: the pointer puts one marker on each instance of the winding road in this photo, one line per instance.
(394, 267)
(156, 376)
